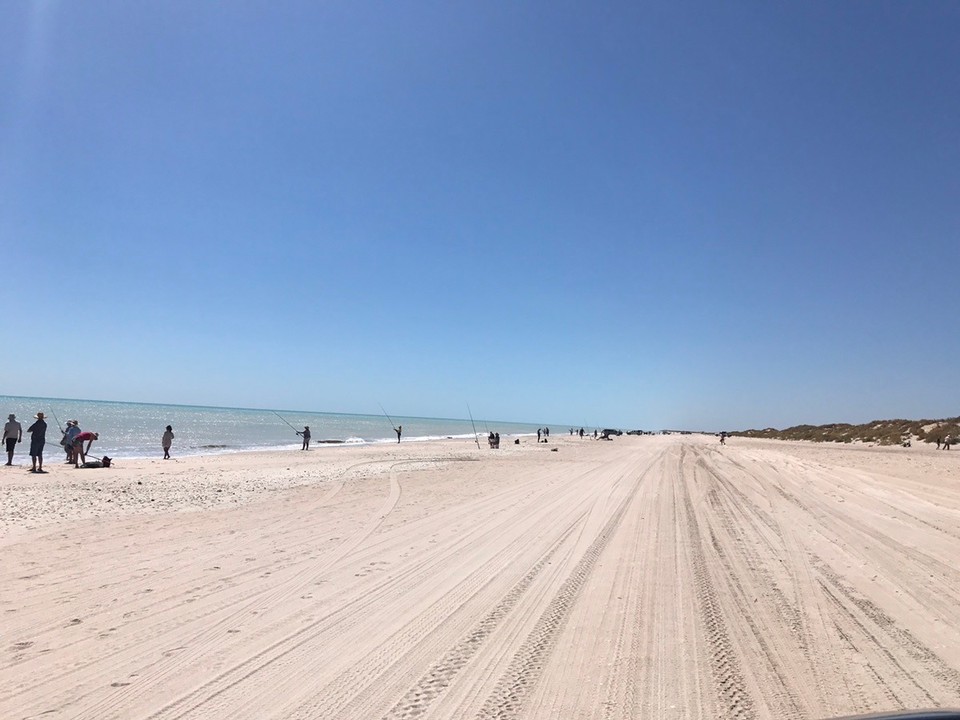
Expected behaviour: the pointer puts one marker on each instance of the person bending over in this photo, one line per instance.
(79, 452)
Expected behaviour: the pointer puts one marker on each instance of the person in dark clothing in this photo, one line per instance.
(398, 430)
(12, 434)
(306, 437)
(166, 441)
(38, 438)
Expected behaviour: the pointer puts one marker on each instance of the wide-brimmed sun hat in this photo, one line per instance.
(11, 416)
(39, 416)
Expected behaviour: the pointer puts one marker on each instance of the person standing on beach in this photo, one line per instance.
(306, 437)
(539, 431)
(38, 438)
(79, 454)
(938, 443)
(166, 441)
(398, 430)
(12, 434)
(69, 435)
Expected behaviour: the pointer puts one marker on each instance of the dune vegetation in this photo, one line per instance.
(877, 432)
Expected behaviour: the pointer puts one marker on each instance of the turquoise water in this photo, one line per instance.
(134, 429)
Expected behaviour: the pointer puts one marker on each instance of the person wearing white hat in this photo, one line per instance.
(12, 434)
(38, 438)
(69, 435)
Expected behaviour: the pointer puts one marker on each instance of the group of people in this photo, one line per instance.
(946, 442)
(545, 433)
(72, 440)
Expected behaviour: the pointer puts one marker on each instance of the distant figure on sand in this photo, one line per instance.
(38, 438)
(306, 437)
(539, 431)
(166, 441)
(79, 452)
(12, 434)
(398, 430)
(581, 433)
(947, 442)
(938, 443)
(723, 438)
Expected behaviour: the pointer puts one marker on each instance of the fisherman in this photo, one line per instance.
(306, 437)
(79, 453)
(69, 435)
(398, 430)
(539, 431)
(38, 438)
(12, 434)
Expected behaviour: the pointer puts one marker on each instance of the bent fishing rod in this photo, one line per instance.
(58, 421)
(392, 423)
(474, 427)
(291, 426)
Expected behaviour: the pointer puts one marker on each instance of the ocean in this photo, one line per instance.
(133, 430)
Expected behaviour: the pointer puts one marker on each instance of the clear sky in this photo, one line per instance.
(634, 214)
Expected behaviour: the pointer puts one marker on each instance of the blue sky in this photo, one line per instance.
(702, 215)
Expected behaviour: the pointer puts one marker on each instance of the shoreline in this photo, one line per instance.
(196, 483)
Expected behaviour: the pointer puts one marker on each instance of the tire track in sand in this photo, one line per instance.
(734, 700)
(212, 635)
(510, 693)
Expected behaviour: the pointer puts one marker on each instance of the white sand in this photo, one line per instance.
(654, 577)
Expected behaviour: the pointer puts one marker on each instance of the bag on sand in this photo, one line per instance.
(102, 463)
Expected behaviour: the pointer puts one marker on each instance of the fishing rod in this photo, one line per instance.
(58, 420)
(392, 423)
(474, 427)
(291, 426)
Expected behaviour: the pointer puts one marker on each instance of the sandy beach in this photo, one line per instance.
(664, 577)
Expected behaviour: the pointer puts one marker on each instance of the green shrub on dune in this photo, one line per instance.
(879, 432)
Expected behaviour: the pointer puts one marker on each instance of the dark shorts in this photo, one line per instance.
(36, 448)
(11, 443)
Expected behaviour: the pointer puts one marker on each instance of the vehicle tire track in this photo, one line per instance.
(729, 683)
(515, 685)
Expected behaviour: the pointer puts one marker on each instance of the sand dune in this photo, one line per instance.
(662, 577)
